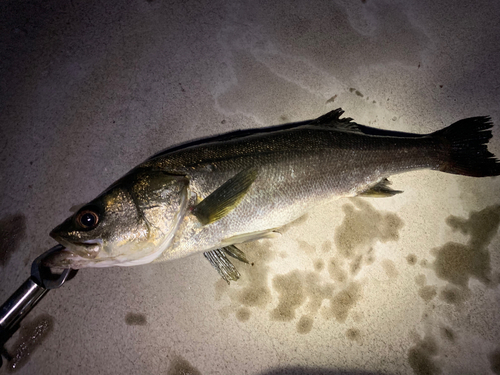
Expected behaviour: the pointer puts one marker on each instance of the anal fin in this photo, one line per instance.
(236, 253)
(380, 190)
(218, 259)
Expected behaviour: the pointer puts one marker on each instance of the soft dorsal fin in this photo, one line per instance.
(332, 120)
(224, 199)
(380, 190)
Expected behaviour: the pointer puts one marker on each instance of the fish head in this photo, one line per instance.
(131, 223)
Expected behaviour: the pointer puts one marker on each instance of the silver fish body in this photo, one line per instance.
(242, 186)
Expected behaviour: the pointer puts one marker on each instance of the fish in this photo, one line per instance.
(209, 195)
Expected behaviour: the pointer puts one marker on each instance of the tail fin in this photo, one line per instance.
(466, 142)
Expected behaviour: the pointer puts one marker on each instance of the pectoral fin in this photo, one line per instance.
(218, 260)
(225, 198)
(380, 190)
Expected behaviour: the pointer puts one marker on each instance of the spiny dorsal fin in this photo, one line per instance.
(380, 190)
(225, 198)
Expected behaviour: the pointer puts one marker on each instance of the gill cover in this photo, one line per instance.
(130, 223)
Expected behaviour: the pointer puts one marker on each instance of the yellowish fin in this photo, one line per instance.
(223, 200)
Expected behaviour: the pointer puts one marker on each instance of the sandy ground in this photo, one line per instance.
(402, 285)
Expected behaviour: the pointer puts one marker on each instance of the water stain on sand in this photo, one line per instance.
(305, 324)
(448, 334)
(301, 296)
(12, 233)
(422, 357)
(453, 295)
(427, 292)
(357, 92)
(134, 319)
(458, 263)
(354, 334)
(494, 358)
(411, 259)
(180, 366)
(243, 314)
(363, 226)
(291, 295)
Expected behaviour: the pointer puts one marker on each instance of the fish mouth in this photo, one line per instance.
(90, 248)
(75, 255)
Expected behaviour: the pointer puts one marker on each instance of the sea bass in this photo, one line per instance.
(206, 196)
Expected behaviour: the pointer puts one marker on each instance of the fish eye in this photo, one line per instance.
(87, 219)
